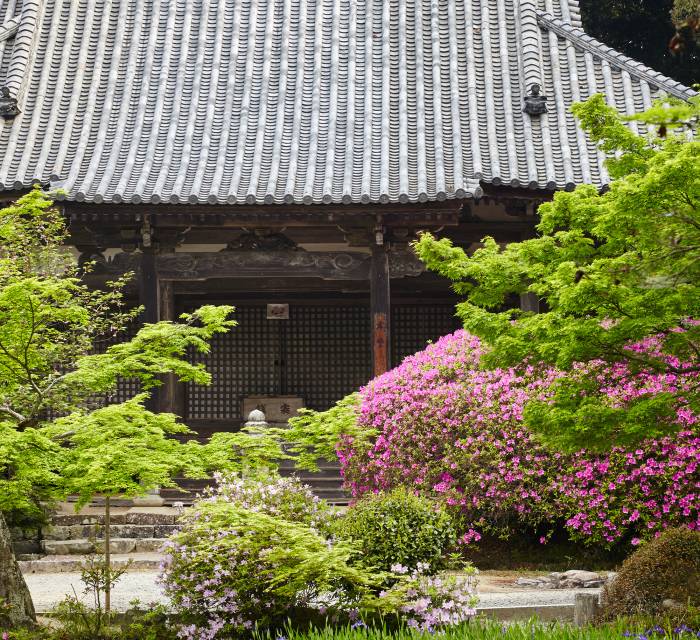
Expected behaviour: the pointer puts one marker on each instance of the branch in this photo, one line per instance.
(17, 416)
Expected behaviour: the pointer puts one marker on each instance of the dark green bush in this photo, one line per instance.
(667, 568)
(399, 528)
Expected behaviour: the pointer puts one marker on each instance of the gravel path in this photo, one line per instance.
(523, 598)
(49, 588)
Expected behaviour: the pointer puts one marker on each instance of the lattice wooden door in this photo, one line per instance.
(328, 352)
(413, 326)
(243, 362)
(322, 353)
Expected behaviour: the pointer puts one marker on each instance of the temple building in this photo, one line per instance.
(281, 155)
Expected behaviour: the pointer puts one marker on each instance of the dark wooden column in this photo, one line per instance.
(149, 298)
(529, 301)
(171, 396)
(380, 306)
(149, 294)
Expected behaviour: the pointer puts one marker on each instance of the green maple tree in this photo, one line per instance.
(611, 268)
(53, 440)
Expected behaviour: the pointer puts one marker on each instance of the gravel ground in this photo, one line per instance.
(49, 588)
(523, 598)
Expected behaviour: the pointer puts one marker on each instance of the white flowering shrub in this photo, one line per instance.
(286, 498)
(251, 553)
(432, 602)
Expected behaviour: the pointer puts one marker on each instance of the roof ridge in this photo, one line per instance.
(22, 50)
(531, 63)
(9, 28)
(585, 41)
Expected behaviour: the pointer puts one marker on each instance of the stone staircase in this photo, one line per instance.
(326, 483)
(137, 533)
(137, 536)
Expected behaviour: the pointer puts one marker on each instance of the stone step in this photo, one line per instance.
(83, 546)
(144, 561)
(121, 515)
(80, 531)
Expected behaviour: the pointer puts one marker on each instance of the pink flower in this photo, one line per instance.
(455, 431)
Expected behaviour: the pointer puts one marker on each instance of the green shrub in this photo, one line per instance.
(399, 528)
(254, 553)
(667, 568)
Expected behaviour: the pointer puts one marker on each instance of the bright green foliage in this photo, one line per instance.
(399, 528)
(124, 450)
(30, 231)
(314, 435)
(246, 451)
(155, 350)
(611, 270)
(486, 629)
(235, 564)
(29, 463)
(50, 323)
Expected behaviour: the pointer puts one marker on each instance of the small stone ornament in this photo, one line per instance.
(256, 418)
(8, 104)
(535, 103)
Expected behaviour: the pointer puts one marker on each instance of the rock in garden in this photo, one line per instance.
(575, 579)
(527, 582)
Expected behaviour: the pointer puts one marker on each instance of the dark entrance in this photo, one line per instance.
(321, 353)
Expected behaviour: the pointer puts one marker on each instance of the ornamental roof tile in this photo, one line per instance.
(302, 101)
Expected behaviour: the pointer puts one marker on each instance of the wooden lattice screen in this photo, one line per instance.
(413, 326)
(328, 352)
(322, 353)
(242, 362)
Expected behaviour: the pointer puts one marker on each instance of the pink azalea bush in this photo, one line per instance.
(447, 428)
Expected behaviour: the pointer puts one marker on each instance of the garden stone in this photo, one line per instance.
(576, 578)
(669, 603)
(151, 516)
(527, 582)
(78, 531)
(148, 545)
(593, 584)
(165, 530)
(122, 545)
(67, 547)
(57, 533)
(26, 546)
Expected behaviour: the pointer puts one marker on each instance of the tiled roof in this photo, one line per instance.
(305, 101)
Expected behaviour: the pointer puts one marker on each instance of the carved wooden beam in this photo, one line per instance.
(248, 264)
(327, 265)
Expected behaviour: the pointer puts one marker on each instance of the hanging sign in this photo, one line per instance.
(278, 312)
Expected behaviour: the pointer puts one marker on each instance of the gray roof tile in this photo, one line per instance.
(302, 101)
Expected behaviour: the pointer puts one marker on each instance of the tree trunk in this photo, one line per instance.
(108, 557)
(14, 592)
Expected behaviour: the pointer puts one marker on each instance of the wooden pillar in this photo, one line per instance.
(172, 394)
(529, 302)
(380, 307)
(149, 298)
(149, 294)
